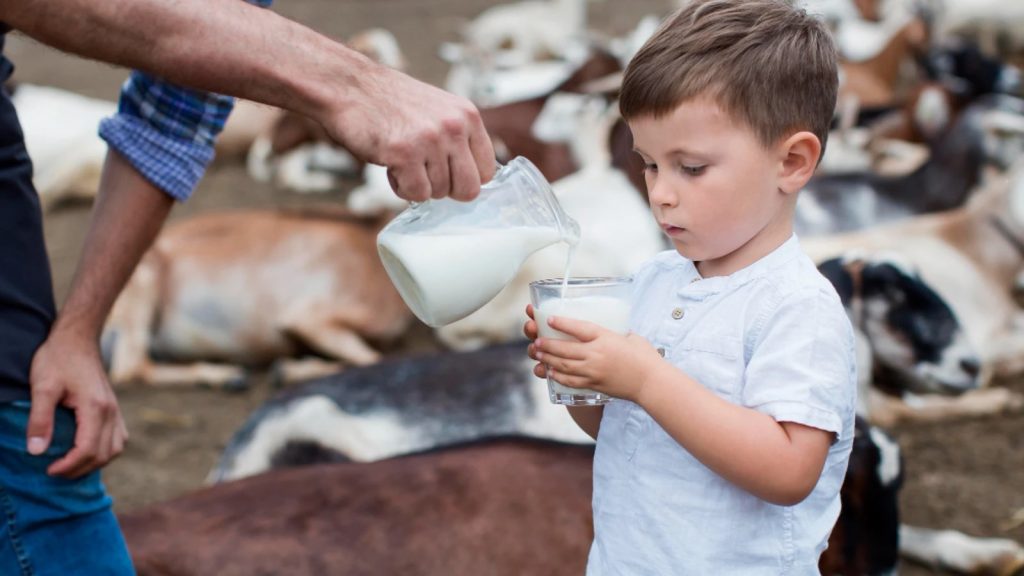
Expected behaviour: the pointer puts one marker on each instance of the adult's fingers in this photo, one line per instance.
(481, 147)
(39, 432)
(83, 457)
(439, 176)
(410, 182)
(465, 176)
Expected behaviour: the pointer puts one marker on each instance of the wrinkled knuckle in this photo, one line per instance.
(399, 152)
(430, 138)
(454, 127)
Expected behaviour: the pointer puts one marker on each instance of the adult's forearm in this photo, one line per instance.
(128, 214)
(224, 46)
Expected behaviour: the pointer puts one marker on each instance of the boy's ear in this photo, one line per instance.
(799, 157)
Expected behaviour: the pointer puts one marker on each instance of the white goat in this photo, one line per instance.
(517, 51)
(61, 137)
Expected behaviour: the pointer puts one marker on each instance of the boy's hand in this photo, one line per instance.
(530, 328)
(618, 365)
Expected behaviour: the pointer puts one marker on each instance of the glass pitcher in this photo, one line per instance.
(448, 258)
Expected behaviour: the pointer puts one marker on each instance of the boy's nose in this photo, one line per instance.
(660, 193)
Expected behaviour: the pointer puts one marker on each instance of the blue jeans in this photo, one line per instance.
(49, 525)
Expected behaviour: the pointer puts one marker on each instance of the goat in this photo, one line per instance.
(60, 135)
(909, 340)
(971, 256)
(875, 82)
(405, 406)
(838, 203)
(248, 288)
(518, 50)
(510, 506)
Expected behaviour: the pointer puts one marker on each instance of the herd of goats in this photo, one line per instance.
(452, 463)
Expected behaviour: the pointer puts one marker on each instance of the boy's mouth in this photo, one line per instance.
(670, 229)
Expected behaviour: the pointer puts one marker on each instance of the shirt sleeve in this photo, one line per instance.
(167, 132)
(803, 367)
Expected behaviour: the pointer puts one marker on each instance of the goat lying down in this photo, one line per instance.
(971, 256)
(506, 507)
(225, 290)
(404, 405)
(436, 403)
(987, 133)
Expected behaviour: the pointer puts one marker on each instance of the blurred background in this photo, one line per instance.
(928, 122)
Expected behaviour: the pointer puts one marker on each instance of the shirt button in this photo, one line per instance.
(697, 279)
(677, 313)
(661, 352)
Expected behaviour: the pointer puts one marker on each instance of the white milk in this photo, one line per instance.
(445, 277)
(607, 311)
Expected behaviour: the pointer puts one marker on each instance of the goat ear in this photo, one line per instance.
(836, 272)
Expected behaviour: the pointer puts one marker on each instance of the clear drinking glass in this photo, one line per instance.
(603, 301)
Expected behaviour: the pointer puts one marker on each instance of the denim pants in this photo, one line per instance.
(50, 525)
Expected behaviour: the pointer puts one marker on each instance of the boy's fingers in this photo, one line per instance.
(540, 371)
(563, 366)
(565, 379)
(530, 329)
(580, 329)
(529, 311)
(567, 349)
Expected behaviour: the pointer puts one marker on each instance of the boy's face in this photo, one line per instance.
(712, 186)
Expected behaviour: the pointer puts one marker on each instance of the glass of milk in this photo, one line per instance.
(603, 301)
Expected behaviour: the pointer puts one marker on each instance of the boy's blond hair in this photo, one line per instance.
(764, 62)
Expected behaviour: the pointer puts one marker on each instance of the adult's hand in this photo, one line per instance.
(433, 142)
(67, 370)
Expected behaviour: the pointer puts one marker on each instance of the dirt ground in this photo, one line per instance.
(966, 475)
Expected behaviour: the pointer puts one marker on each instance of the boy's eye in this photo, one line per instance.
(692, 170)
(650, 167)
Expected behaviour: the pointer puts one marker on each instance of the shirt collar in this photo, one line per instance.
(697, 286)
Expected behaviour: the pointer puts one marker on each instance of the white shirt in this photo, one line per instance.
(773, 337)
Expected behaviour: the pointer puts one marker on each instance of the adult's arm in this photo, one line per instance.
(67, 369)
(433, 142)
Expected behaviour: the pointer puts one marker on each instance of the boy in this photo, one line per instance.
(729, 439)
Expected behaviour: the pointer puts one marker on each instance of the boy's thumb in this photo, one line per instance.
(40, 422)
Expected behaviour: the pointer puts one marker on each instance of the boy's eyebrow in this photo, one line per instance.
(674, 152)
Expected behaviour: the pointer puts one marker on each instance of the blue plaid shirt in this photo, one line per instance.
(167, 132)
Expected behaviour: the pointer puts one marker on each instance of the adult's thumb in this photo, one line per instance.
(40, 420)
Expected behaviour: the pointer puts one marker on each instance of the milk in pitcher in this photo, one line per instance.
(445, 276)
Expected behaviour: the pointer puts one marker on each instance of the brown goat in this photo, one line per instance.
(248, 288)
(504, 508)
